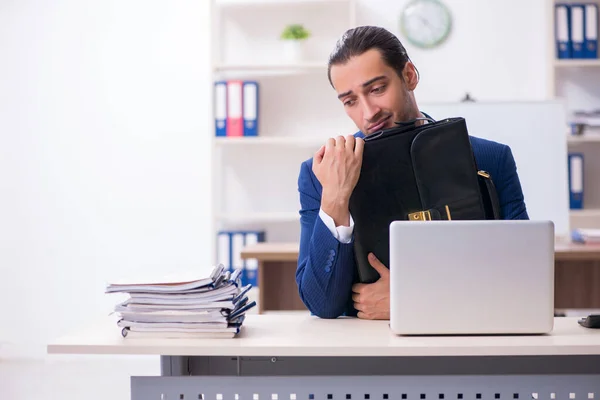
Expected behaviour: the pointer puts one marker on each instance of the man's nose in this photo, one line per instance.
(370, 111)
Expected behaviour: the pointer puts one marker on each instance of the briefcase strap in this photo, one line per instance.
(401, 127)
(489, 196)
(414, 121)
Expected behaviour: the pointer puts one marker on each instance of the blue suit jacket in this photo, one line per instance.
(325, 269)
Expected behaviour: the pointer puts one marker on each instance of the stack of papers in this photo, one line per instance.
(588, 236)
(589, 118)
(183, 307)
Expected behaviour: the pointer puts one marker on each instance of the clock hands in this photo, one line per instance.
(424, 21)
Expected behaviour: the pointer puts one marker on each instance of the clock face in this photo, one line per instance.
(426, 23)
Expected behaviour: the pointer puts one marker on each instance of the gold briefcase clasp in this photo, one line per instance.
(426, 215)
(420, 216)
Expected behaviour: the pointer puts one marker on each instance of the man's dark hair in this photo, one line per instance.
(356, 41)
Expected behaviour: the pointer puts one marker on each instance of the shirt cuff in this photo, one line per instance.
(342, 233)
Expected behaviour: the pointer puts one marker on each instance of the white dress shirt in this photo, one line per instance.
(342, 233)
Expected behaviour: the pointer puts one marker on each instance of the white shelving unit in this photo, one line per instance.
(270, 69)
(255, 178)
(577, 81)
(583, 139)
(270, 141)
(576, 63)
(260, 217)
(590, 212)
(276, 3)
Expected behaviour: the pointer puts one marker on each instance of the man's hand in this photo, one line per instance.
(337, 167)
(372, 300)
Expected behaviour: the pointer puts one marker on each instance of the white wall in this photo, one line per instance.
(493, 52)
(104, 162)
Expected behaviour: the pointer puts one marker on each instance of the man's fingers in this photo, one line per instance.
(350, 141)
(319, 155)
(359, 287)
(356, 297)
(359, 147)
(330, 145)
(340, 142)
(363, 315)
(359, 307)
(378, 265)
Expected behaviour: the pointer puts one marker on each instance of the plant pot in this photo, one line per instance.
(293, 51)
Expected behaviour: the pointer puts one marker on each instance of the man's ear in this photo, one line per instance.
(411, 78)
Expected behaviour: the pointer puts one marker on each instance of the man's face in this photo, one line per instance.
(372, 93)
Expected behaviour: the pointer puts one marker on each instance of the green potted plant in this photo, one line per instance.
(294, 36)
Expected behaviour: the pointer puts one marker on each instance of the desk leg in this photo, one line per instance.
(174, 365)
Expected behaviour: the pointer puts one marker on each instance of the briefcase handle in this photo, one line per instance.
(414, 121)
(402, 126)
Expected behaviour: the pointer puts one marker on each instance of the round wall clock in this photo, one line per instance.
(426, 23)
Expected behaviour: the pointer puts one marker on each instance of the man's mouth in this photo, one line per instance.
(379, 125)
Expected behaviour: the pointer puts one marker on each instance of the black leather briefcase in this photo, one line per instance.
(418, 173)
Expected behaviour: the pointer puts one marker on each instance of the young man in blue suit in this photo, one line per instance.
(374, 80)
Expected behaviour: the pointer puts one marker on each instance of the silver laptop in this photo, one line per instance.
(471, 277)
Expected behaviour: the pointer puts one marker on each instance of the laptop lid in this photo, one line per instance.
(472, 277)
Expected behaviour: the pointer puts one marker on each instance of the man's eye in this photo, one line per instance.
(378, 89)
(348, 102)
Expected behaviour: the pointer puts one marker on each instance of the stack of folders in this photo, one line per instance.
(192, 307)
(576, 30)
(236, 108)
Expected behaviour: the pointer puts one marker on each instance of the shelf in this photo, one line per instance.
(577, 63)
(271, 141)
(281, 3)
(586, 213)
(584, 138)
(244, 218)
(272, 69)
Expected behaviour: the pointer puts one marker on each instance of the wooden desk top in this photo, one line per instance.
(565, 251)
(272, 251)
(300, 334)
